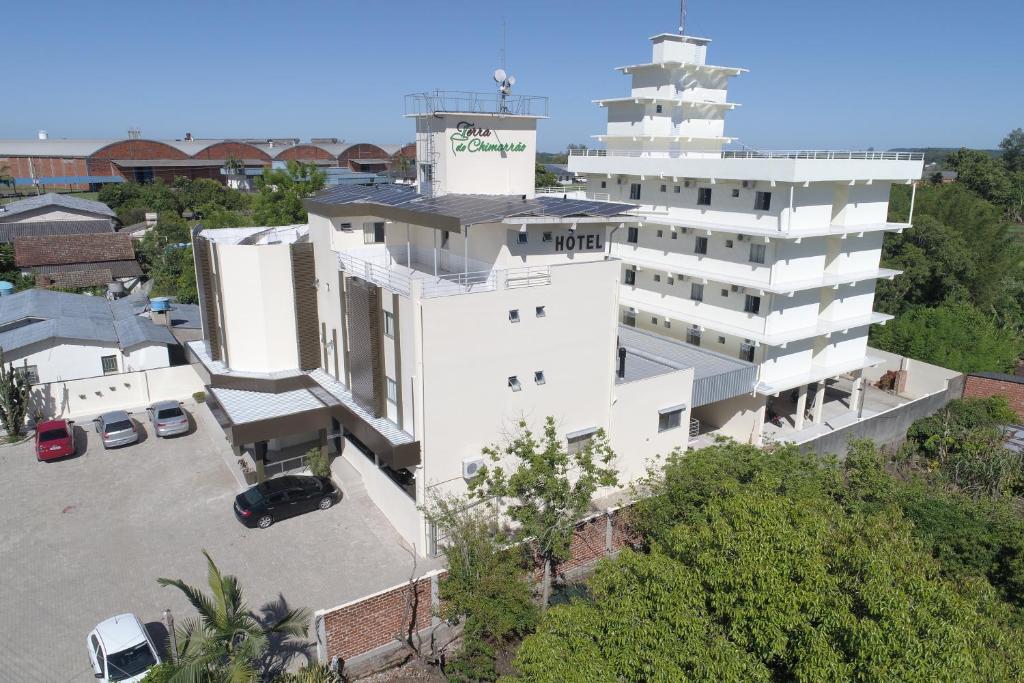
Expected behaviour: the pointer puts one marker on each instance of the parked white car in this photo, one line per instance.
(121, 650)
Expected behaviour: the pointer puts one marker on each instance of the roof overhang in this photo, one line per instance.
(394, 213)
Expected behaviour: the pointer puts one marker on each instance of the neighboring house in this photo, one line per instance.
(57, 336)
(10, 231)
(76, 261)
(183, 320)
(56, 207)
(565, 176)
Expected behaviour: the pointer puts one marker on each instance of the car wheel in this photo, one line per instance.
(325, 503)
(264, 521)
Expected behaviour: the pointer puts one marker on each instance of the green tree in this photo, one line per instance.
(227, 640)
(548, 489)
(10, 272)
(1013, 150)
(956, 336)
(485, 589)
(166, 256)
(772, 568)
(280, 193)
(544, 177)
(14, 395)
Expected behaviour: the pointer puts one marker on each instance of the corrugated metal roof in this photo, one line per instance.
(252, 406)
(53, 147)
(64, 201)
(9, 231)
(137, 330)
(716, 377)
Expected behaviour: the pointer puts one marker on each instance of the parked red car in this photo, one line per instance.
(54, 439)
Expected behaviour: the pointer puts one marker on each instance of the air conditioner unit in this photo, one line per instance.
(735, 288)
(686, 183)
(748, 184)
(683, 230)
(470, 466)
(741, 238)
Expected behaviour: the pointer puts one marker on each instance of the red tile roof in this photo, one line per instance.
(50, 250)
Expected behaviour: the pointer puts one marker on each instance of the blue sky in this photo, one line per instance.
(823, 73)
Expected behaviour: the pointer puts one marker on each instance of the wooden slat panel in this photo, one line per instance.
(307, 323)
(204, 280)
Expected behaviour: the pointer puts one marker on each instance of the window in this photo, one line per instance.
(632, 235)
(747, 351)
(676, 189)
(675, 235)
(669, 280)
(664, 188)
(657, 277)
(604, 184)
(725, 292)
(704, 196)
(389, 324)
(427, 172)
(30, 373)
(541, 312)
(521, 237)
(728, 244)
(546, 237)
(721, 340)
(373, 233)
(634, 191)
(700, 245)
(513, 315)
(752, 304)
(577, 441)
(513, 383)
(654, 320)
(392, 390)
(667, 324)
(697, 292)
(735, 193)
(762, 201)
(629, 319)
(757, 253)
(693, 336)
(630, 276)
(657, 109)
(109, 364)
(669, 419)
(538, 377)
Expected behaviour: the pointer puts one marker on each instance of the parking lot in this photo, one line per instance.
(86, 538)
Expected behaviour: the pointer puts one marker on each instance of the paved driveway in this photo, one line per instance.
(84, 539)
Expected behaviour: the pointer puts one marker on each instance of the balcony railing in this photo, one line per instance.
(440, 101)
(749, 154)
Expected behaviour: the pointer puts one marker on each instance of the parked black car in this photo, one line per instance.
(275, 499)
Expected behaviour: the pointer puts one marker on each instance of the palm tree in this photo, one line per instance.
(227, 640)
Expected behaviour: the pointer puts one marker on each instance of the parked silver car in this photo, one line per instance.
(116, 428)
(168, 418)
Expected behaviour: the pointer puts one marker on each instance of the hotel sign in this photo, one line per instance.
(571, 242)
(468, 138)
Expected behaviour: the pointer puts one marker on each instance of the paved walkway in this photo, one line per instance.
(86, 538)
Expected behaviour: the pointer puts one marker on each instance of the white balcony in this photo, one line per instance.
(404, 270)
(791, 166)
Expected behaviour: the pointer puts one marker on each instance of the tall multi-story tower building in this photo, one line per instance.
(771, 257)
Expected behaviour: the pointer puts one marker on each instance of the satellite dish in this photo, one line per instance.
(511, 80)
(499, 75)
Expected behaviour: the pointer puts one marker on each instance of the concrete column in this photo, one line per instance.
(819, 402)
(857, 395)
(757, 437)
(259, 455)
(322, 434)
(801, 408)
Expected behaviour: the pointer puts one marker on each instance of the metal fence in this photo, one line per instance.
(869, 155)
(440, 101)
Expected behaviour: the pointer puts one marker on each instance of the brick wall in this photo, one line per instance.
(983, 385)
(361, 626)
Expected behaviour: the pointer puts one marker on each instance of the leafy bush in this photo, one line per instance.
(199, 397)
(318, 462)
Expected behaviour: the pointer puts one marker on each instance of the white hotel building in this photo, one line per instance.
(771, 257)
(407, 328)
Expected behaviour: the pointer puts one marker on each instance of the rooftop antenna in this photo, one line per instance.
(503, 79)
(682, 17)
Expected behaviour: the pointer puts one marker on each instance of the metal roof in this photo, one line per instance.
(53, 147)
(47, 315)
(63, 201)
(458, 209)
(9, 231)
(716, 377)
(251, 406)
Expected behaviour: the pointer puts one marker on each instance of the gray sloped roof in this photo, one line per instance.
(8, 231)
(53, 199)
(48, 315)
(182, 315)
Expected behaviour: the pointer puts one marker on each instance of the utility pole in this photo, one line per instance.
(682, 17)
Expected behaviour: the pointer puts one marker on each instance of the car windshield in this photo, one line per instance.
(168, 413)
(118, 426)
(131, 662)
(253, 496)
(53, 435)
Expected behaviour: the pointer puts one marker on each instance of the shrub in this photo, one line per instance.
(199, 397)
(318, 462)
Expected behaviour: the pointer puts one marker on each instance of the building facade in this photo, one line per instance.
(407, 328)
(770, 257)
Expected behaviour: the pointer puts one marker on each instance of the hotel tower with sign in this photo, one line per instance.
(767, 257)
(406, 328)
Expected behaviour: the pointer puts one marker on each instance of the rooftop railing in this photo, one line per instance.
(749, 154)
(440, 101)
